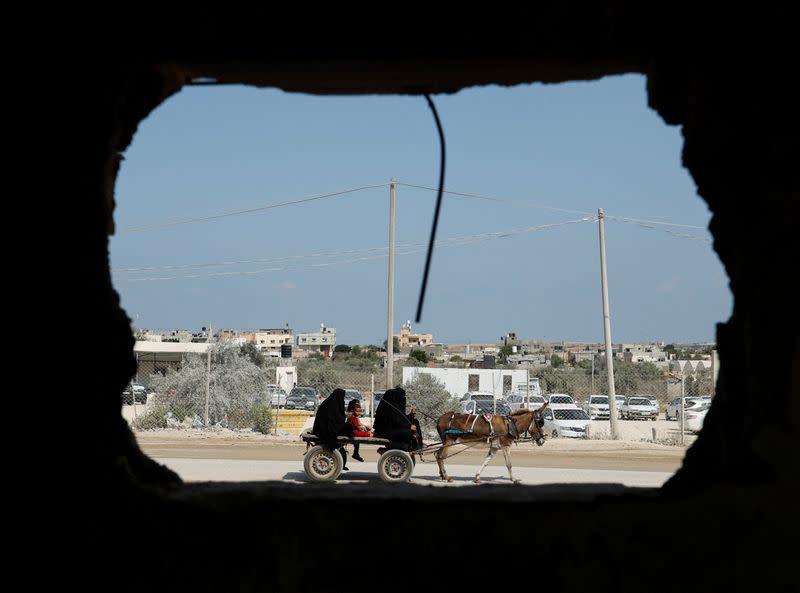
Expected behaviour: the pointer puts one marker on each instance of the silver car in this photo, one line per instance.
(478, 405)
(689, 403)
(597, 407)
(639, 406)
(531, 402)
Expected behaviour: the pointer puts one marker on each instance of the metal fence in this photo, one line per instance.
(224, 389)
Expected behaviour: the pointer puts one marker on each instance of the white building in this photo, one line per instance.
(458, 381)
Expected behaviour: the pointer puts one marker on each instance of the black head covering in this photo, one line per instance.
(391, 412)
(330, 417)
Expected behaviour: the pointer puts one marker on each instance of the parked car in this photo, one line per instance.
(134, 393)
(560, 398)
(480, 405)
(565, 421)
(473, 394)
(694, 419)
(689, 403)
(517, 401)
(278, 398)
(302, 397)
(597, 407)
(639, 406)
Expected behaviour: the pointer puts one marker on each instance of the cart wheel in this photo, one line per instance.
(322, 465)
(395, 466)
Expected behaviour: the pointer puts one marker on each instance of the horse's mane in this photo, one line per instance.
(520, 411)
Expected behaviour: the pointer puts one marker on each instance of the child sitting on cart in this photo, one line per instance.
(359, 430)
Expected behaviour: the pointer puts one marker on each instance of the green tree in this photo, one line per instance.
(505, 351)
(420, 355)
(426, 393)
(556, 361)
(634, 377)
(553, 380)
(410, 362)
(395, 343)
(323, 376)
(699, 383)
(357, 351)
(236, 387)
(342, 348)
(250, 350)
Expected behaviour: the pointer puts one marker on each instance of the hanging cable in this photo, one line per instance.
(436, 212)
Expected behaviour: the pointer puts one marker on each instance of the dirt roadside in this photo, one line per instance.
(555, 453)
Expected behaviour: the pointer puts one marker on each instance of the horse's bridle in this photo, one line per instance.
(539, 421)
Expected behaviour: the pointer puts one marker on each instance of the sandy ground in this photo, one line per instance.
(633, 455)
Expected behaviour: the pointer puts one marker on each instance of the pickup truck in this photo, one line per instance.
(639, 406)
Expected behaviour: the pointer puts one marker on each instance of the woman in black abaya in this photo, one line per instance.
(391, 421)
(331, 423)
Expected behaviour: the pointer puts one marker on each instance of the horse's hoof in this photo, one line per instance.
(449, 479)
(477, 481)
(516, 481)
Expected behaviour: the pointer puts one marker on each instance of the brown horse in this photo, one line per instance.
(499, 433)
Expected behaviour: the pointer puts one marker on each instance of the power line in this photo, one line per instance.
(650, 227)
(656, 222)
(641, 222)
(248, 211)
(494, 199)
(406, 249)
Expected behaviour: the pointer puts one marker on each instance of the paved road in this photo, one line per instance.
(244, 470)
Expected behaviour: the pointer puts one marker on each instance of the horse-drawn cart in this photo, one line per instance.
(322, 464)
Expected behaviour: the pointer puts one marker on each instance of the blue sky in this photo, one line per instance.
(548, 154)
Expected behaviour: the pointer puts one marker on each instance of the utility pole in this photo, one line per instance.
(683, 404)
(612, 402)
(208, 374)
(390, 305)
(714, 371)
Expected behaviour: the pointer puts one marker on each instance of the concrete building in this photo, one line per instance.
(323, 341)
(271, 340)
(408, 340)
(642, 353)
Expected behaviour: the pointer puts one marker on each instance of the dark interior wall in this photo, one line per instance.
(730, 88)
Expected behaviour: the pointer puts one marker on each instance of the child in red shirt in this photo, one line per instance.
(359, 430)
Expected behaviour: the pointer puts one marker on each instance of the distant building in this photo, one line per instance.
(323, 341)
(642, 353)
(177, 335)
(457, 382)
(408, 340)
(271, 340)
(528, 359)
(159, 357)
